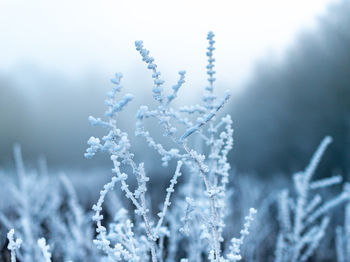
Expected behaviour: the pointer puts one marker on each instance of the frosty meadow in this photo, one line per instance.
(48, 223)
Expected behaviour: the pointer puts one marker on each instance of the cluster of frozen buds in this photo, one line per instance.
(13, 244)
(209, 97)
(235, 251)
(45, 249)
(158, 82)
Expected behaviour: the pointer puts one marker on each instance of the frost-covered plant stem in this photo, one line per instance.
(45, 249)
(203, 172)
(169, 190)
(299, 237)
(13, 244)
(143, 206)
(117, 144)
(343, 234)
(211, 196)
(234, 254)
(302, 182)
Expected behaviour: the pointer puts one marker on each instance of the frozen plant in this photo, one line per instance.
(45, 249)
(75, 224)
(42, 205)
(343, 235)
(31, 195)
(13, 244)
(237, 242)
(206, 193)
(303, 220)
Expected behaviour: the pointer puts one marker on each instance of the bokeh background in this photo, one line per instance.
(287, 64)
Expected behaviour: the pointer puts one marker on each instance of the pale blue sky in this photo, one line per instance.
(77, 36)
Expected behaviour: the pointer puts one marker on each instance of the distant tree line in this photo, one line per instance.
(290, 105)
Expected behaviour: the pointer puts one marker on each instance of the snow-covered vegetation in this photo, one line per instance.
(206, 213)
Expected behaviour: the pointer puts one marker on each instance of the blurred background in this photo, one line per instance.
(287, 64)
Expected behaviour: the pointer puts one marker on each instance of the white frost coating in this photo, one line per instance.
(45, 249)
(234, 254)
(13, 244)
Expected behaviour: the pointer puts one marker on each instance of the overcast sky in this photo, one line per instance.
(74, 37)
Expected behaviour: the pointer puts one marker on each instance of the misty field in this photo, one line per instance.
(195, 207)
